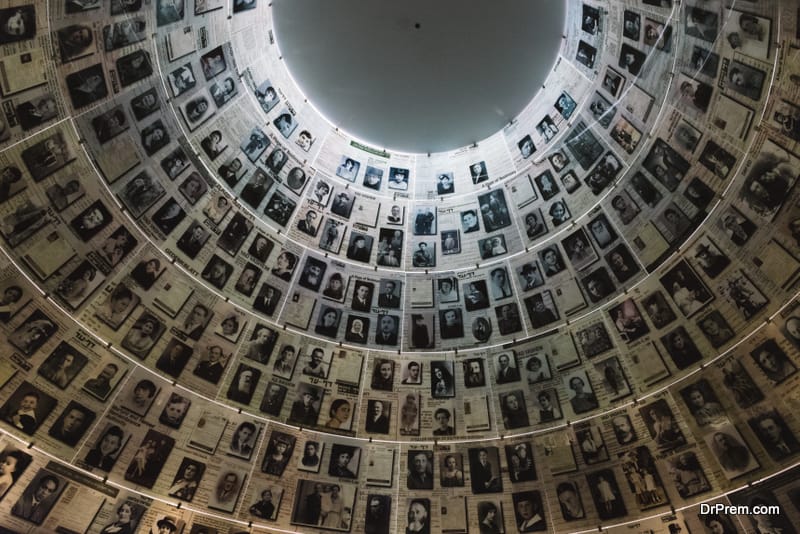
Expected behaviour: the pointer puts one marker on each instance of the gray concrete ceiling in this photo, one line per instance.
(468, 69)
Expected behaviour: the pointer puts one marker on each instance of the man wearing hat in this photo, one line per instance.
(303, 410)
(167, 525)
(711, 262)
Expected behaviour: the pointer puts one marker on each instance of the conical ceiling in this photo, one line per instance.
(224, 313)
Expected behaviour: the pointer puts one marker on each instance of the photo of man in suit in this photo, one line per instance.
(38, 498)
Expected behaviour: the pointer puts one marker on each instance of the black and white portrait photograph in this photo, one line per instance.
(769, 180)
(348, 169)
(661, 424)
(606, 494)
(197, 109)
(613, 381)
(687, 474)
(628, 320)
(474, 374)
(187, 479)
(13, 463)
(134, 67)
(593, 339)
(154, 137)
(243, 384)
(424, 255)
(408, 425)
(420, 470)
(39, 497)
(19, 23)
(110, 124)
(87, 86)
(773, 361)
(513, 409)
(181, 79)
(631, 25)
(27, 408)
(598, 284)
(268, 503)
(579, 249)
(227, 488)
(775, 435)
(529, 513)
(681, 348)
(484, 470)
(149, 459)
(451, 325)
(542, 309)
(175, 410)
(631, 59)
(749, 34)
(478, 172)
(548, 405)
(373, 177)
(492, 246)
(587, 54)
(34, 331)
(279, 450)
(62, 365)
(279, 208)
(255, 144)
(143, 335)
(686, 289)
(140, 193)
(327, 506)
(643, 479)
(77, 286)
(44, 158)
(581, 395)
(526, 146)
(590, 442)
(694, 94)
(443, 382)
(344, 461)
(715, 328)
(731, 451)
(703, 403)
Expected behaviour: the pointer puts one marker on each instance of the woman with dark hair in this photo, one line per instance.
(242, 442)
(212, 145)
(310, 454)
(487, 518)
(146, 272)
(196, 108)
(284, 265)
(74, 287)
(339, 413)
(452, 476)
(104, 454)
(335, 287)
(123, 523)
(276, 160)
(441, 382)
(154, 137)
(141, 337)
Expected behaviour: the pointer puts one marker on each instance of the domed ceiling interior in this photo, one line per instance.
(229, 306)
